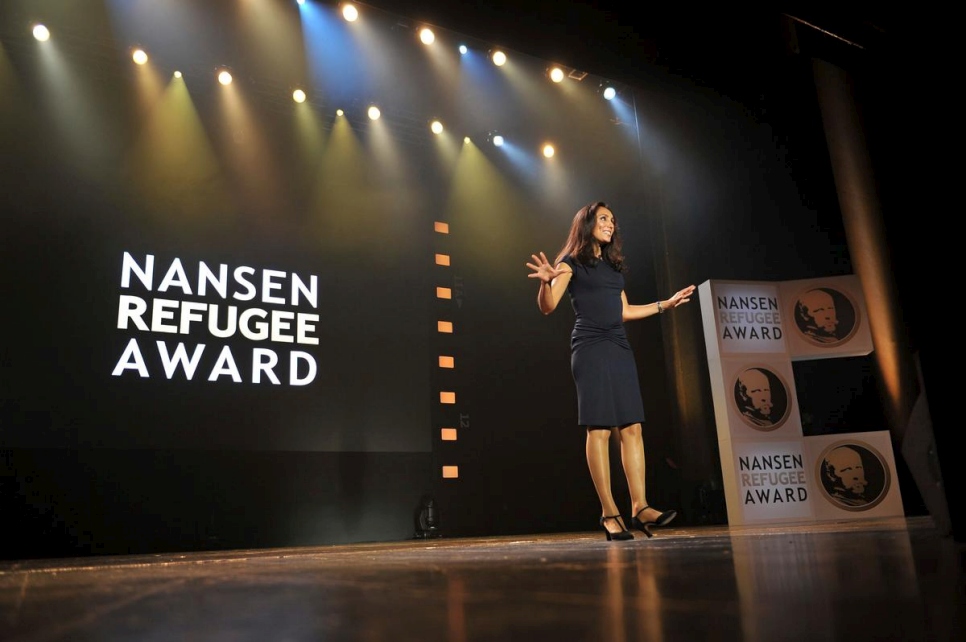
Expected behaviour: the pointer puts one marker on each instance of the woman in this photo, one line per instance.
(590, 269)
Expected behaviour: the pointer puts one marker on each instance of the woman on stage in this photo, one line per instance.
(590, 268)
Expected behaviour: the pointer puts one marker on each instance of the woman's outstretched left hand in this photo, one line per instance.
(681, 296)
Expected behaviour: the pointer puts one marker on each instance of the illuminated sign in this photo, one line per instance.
(250, 307)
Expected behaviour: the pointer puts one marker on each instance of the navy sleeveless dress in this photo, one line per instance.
(602, 362)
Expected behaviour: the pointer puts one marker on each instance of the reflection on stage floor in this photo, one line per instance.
(896, 579)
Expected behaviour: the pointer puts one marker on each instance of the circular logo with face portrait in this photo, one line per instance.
(854, 476)
(761, 398)
(826, 317)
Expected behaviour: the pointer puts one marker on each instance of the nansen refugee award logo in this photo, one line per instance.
(748, 318)
(826, 317)
(853, 475)
(189, 317)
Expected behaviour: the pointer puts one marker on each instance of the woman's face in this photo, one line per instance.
(604, 225)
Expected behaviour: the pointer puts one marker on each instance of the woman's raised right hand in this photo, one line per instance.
(541, 269)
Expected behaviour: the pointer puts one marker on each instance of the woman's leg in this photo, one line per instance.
(632, 457)
(598, 460)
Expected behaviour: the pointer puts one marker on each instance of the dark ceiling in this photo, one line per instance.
(612, 39)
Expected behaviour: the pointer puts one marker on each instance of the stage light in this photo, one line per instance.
(494, 137)
(609, 93)
(339, 112)
(298, 96)
(499, 58)
(427, 36)
(548, 150)
(177, 74)
(436, 127)
(426, 519)
(463, 49)
(466, 140)
(139, 56)
(374, 113)
(224, 77)
(41, 33)
(349, 12)
(556, 74)
(301, 2)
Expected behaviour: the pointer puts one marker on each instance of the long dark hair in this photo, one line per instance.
(580, 242)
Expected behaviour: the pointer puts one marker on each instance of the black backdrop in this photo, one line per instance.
(102, 464)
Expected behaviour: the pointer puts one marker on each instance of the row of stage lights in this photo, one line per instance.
(351, 14)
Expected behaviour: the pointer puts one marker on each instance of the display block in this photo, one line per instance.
(827, 318)
(772, 472)
(854, 475)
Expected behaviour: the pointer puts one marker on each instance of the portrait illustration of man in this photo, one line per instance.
(817, 317)
(753, 395)
(843, 475)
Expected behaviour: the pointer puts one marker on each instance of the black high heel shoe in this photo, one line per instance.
(662, 520)
(624, 534)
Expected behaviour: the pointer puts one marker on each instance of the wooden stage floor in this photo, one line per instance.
(895, 579)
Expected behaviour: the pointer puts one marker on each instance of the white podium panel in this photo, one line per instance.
(742, 317)
(827, 318)
(760, 399)
(854, 475)
(771, 482)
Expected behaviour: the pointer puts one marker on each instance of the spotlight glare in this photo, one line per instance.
(349, 12)
(339, 112)
(139, 56)
(374, 113)
(498, 140)
(499, 58)
(177, 74)
(436, 127)
(301, 2)
(556, 74)
(466, 140)
(298, 96)
(427, 36)
(224, 77)
(548, 150)
(463, 49)
(609, 93)
(41, 33)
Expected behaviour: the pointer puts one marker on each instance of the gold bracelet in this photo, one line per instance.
(660, 308)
